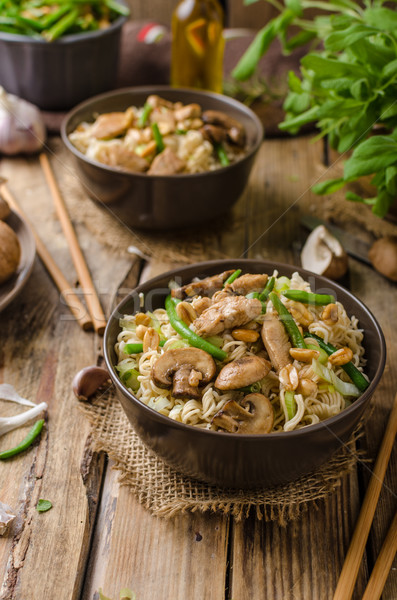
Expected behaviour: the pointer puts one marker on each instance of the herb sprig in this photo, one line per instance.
(348, 86)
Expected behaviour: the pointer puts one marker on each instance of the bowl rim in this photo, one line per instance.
(150, 89)
(16, 38)
(277, 435)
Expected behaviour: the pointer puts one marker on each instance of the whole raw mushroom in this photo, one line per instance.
(10, 252)
(383, 256)
(324, 254)
(4, 209)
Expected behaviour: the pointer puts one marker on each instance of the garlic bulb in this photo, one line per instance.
(22, 129)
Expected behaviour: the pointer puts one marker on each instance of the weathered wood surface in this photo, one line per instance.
(98, 535)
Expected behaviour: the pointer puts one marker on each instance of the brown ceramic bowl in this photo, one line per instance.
(59, 74)
(234, 460)
(163, 202)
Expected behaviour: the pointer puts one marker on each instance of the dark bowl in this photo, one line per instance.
(163, 202)
(57, 75)
(234, 460)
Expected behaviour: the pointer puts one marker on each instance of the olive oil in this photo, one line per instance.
(197, 45)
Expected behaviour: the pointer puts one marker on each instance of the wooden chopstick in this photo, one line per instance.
(76, 307)
(92, 300)
(383, 564)
(348, 576)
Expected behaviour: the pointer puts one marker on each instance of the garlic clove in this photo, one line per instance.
(22, 128)
(324, 254)
(88, 381)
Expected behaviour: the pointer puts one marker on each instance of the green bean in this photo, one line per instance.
(189, 335)
(232, 277)
(61, 26)
(287, 320)
(26, 442)
(158, 138)
(147, 109)
(350, 369)
(137, 347)
(263, 296)
(48, 20)
(221, 154)
(117, 8)
(308, 297)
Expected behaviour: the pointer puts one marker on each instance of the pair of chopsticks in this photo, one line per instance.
(377, 580)
(94, 317)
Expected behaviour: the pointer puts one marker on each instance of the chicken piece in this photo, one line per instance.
(204, 287)
(111, 125)
(166, 163)
(117, 155)
(155, 101)
(165, 120)
(248, 283)
(189, 111)
(276, 342)
(230, 312)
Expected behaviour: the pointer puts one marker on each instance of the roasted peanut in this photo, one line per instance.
(140, 331)
(194, 378)
(341, 356)
(245, 335)
(289, 377)
(186, 312)
(304, 354)
(330, 314)
(142, 319)
(300, 313)
(306, 387)
(151, 340)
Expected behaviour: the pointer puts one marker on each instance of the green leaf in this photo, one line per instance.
(329, 67)
(382, 18)
(383, 202)
(43, 505)
(370, 156)
(296, 122)
(339, 40)
(353, 197)
(297, 103)
(295, 6)
(329, 187)
(301, 38)
(360, 89)
(249, 61)
(391, 180)
(390, 69)
(102, 595)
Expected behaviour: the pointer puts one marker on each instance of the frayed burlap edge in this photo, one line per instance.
(166, 493)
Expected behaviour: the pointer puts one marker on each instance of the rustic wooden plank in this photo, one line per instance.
(42, 348)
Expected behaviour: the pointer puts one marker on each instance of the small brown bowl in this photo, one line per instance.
(235, 460)
(163, 202)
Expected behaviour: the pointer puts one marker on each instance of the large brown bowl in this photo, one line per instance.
(163, 202)
(233, 460)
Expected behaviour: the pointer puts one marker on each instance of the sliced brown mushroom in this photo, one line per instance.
(253, 415)
(276, 342)
(213, 133)
(324, 254)
(235, 130)
(242, 372)
(184, 369)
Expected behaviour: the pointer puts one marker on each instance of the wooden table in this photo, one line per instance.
(97, 535)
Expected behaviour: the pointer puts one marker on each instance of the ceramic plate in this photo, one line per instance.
(11, 288)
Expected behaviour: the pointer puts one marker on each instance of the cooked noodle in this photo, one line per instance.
(323, 402)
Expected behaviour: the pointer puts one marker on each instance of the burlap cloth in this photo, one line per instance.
(166, 493)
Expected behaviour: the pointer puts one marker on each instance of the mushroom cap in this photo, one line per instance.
(253, 415)
(4, 209)
(10, 252)
(324, 254)
(242, 372)
(176, 359)
(383, 256)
